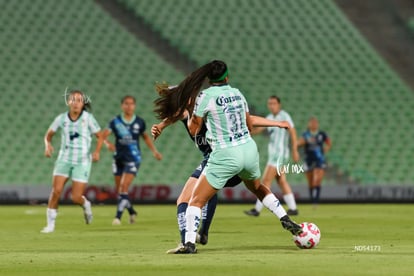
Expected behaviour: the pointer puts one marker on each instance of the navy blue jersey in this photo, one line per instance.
(127, 138)
(200, 139)
(314, 144)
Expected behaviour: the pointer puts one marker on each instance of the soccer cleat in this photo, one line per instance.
(188, 248)
(291, 212)
(202, 239)
(180, 246)
(133, 218)
(47, 230)
(291, 226)
(87, 212)
(116, 221)
(252, 212)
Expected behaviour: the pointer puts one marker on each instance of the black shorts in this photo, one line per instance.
(232, 182)
(314, 163)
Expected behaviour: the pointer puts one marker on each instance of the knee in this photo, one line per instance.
(56, 193)
(77, 199)
(197, 201)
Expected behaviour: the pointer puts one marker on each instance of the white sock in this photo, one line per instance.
(51, 215)
(290, 201)
(259, 206)
(192, 217)
(273, 204)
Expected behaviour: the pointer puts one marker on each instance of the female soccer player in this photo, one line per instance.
(208, 210)
(278, 151)
(127, 129)
(313, 140)
(74, 160)
(234, 152)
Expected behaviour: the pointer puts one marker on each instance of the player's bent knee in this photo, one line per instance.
(77, 199)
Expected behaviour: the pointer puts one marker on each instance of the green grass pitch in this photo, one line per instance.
(356, 240)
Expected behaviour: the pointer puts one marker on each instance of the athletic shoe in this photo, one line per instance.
(252, 213)
(289, 225)
(291, 212)
(116, 221)
(188, 248)
(180, 246)
(47, 230)
(202, 239)
(133, 218)
(87, 212)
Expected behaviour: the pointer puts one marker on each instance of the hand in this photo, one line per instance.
(284, 124)
(295, 156)
(95, 156)
(156, 131)
(110, 146)
(49, 150)
(157, 155)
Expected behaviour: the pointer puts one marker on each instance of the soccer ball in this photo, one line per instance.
(309, 238)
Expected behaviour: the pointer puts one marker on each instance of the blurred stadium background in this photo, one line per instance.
(350, 63)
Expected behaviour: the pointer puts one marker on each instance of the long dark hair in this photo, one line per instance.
(174, 100)
(85, 99)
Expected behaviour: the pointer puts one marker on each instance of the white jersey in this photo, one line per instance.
(76, 137)
(278, 147)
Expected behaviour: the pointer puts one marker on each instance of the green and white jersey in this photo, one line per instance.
(278, 147)
(76, 137)
(224, 111)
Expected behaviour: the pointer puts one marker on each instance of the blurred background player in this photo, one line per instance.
(74, 160)
(278, 155)
(313, 140)
(127, 128)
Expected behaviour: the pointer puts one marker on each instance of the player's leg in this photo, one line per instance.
(207, 214)
(202, 193)
(309, 178)
(318, 174)
(271, 202)
(118, 170)
(125, 202)
(288, 196)
(182, 204)
(61, 173)
(80, 177)
(208, 211)
(222, 165)
(268, 175)
(53, 203)
(131, 211)
(78, 190)
(251, 177)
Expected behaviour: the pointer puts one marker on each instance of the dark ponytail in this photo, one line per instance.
(173, 101)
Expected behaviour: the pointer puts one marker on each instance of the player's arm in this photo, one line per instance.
(300, 142)
(48, 142)
(96, 153)
(294, 142)
(194, 124)
(328, 146)
(258, 124)
(249, 122)
(151, 146)
(157, 129)
(261, 122)
(105, 134)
